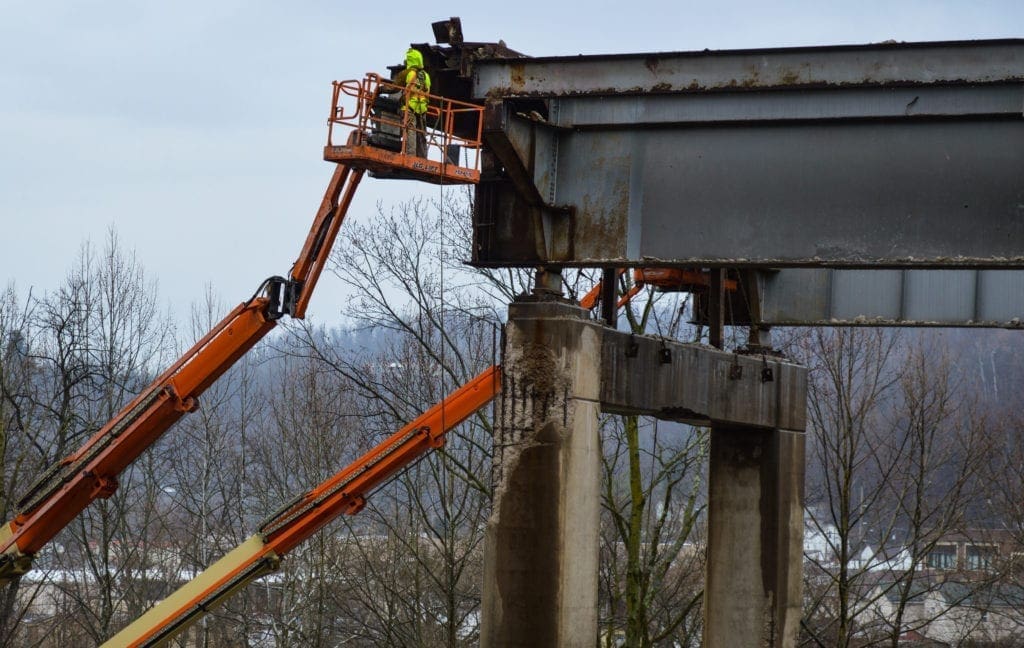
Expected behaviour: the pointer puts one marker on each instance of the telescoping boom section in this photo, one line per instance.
(91, 472)
(345, 492)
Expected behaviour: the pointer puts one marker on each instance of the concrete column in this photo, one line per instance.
(541, 543)
(752, 595)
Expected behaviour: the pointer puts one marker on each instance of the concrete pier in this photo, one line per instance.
(753, 584)
(541, 543)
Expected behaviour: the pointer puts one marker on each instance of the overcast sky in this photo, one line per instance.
(195, 128)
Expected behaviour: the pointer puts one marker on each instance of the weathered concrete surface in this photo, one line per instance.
(753, 587)
(756, 408)
(699, 385)
(541, 543)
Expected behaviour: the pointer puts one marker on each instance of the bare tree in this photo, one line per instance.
(428, 523)
(943, 444)
(652, 541)
(206, 504)
(21, 415)
(81, 353)
(895, 459)
(653, 503)
(852, 376)
(435, 332)
(1005, 492)
(123, 340)
(306, 435)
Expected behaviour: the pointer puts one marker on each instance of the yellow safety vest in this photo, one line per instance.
(417, 86)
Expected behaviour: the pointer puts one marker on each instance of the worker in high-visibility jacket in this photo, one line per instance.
(414, 103)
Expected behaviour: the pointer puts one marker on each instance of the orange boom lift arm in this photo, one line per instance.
(64, 490)
(345, 492)
(67, 487)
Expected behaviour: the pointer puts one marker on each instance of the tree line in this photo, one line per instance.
(905, 452)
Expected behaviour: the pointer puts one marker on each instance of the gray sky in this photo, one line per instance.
(195, 128)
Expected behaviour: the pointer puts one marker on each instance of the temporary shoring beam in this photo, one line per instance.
(901, 155)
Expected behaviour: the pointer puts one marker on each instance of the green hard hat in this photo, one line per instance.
(413, 58)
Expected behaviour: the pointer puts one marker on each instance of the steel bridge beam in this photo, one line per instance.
(964, 298)
(884, 156)
(900, 64)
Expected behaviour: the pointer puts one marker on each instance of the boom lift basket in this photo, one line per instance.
(376, 137)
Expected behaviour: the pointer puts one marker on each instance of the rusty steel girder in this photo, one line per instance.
(877, 156)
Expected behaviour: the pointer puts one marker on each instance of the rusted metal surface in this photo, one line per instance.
(840, 297)
(859, 194)
(962, 100)
(880, 64)
(908, 193)
(889, 155)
